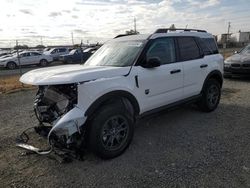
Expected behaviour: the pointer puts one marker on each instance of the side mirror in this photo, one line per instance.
(236, 52)
(152, 62)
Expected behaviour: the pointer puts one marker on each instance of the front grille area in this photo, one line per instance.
(246, 65)
(235, 65)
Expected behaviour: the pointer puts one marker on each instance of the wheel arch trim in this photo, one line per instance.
(214, 73)
(111, 95)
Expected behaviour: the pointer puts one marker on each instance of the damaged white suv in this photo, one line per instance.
(96, 104)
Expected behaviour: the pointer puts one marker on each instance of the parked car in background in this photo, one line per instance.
(46, 49)
(90, 51)
(26, 58)
(8, 55)
(74, 56)
(77, 55)
(56, 52)
(238, 64)
(3, 54)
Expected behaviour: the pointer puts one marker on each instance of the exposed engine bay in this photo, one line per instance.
(50, 106)
(53, 101)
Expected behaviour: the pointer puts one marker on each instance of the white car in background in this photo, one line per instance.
(55, 53)
(26, 58)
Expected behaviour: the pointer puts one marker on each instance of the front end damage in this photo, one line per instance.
(60, 120)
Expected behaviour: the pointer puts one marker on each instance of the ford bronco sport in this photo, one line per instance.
(96, 104)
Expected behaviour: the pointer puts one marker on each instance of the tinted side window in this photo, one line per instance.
(35, 54)
(164, 49)
(25, 55)
(188, 48)
(62, 50)
(209, 46)
(54, 51)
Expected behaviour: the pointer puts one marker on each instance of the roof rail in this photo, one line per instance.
(123, 35)
(165, 30)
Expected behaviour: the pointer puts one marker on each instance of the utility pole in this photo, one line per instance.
(41, 40)
(72, 37)
(135, 25)
(228, 30)
(18, 58)
(81, 52)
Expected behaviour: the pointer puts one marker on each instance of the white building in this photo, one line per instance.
(240, 37)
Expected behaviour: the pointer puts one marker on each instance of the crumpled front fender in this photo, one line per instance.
(70, 123)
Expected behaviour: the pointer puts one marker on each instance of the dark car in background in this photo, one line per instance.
(78, 55)
(238, 64)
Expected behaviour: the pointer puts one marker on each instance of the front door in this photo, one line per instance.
(161, 85)
(25, 58)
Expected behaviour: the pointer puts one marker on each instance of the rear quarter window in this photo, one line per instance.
(209, 46)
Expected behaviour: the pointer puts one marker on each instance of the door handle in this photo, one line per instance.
(175, 71)
(203, 66)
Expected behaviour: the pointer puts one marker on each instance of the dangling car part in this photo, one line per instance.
(56, 106)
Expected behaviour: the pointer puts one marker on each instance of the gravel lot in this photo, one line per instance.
(179, 148)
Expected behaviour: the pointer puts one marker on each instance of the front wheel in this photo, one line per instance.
(11, 65)
(111, 131)
(210, 96)
(43, 63)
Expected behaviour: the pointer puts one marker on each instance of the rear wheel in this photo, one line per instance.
(43, 63)
(210, 96)
(111, 131)
(11, 65)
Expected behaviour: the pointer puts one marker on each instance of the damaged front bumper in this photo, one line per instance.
(62, 134)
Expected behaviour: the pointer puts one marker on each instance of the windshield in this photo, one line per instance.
(72, 51)
(245, 50)
(118, 54)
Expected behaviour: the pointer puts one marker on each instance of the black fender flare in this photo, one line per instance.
(113, 95)
(216, 74)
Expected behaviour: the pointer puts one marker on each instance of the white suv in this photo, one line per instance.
(96, 104)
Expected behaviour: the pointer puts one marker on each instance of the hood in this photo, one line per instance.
(67, 74)
(237, 58)
(8, 58)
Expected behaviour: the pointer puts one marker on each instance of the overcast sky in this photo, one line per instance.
(100, 20)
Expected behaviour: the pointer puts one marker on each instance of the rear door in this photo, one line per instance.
(194, 65)
(36, 57)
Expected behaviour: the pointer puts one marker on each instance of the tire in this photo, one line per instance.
(43, 62)
(210, 96)
(11, 65)
(111, 131)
